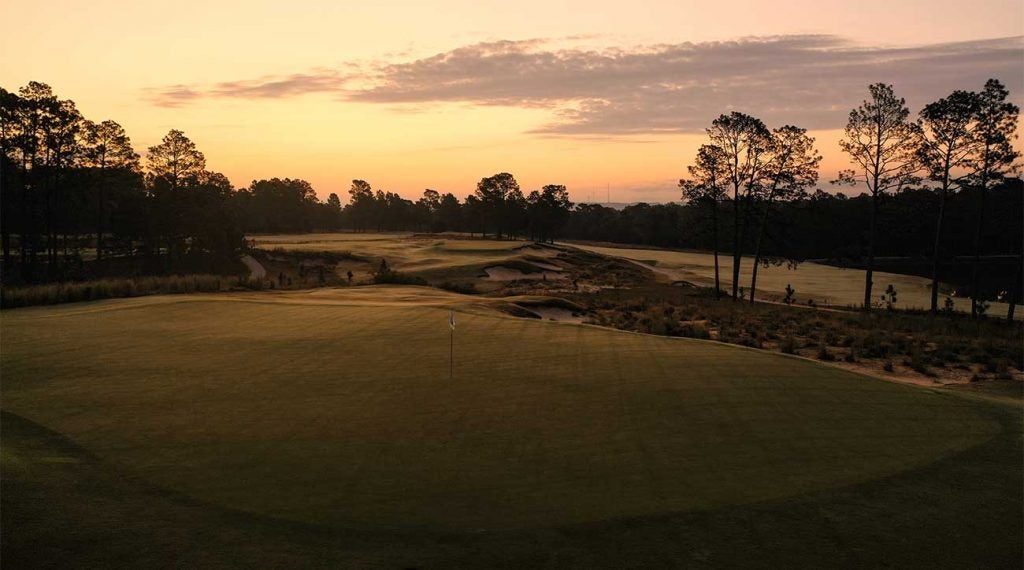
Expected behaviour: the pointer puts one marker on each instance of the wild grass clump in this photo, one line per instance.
(931, 345)
(694, 330)
(919, 360)
(999, 368)
(462, 287)
(72, 292)
(245, 282)
(389, 277)
(823, 353)
(788, 345)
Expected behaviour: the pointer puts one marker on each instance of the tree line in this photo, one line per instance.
(70, 184)
(960, 144)
(941, 186)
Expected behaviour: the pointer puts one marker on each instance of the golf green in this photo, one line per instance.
(327, 409)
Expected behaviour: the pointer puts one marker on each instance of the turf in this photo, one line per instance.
(825, 284)
(332, 413)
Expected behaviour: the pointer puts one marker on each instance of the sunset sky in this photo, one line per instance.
(414, 95)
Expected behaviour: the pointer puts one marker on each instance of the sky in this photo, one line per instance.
(609, 98)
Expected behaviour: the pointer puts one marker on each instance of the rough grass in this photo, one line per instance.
(947, 347)
(55, 293)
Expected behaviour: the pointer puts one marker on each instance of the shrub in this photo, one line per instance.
(824, 354)
(918, 361)
(852, 355)
(999, 367)
(694, 330)
(748, 340)
(889, 297)
(790, 297)
(788, 345)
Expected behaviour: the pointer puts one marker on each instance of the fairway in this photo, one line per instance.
(825, 284)
(433, 255)
(335, 408)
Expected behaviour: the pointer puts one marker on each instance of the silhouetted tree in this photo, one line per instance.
(9, 104)
(427, 208)
(360, 204)
(705, 188)
(493, 193)
(449, 213)
(882, 144)
(548, 211)
(333, 211)
(746, 143)
(515, 214)
(284, 205)
(40, 137)
(475, 215)
(108, 150)
(209, 223)
(175, 161)
(947, 142)
(791, 169)
(175, 166)
(992, 160)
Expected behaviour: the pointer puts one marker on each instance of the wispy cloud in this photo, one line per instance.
(810, 80)
(267, 87)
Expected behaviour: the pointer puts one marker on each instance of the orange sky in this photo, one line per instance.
(331, 91)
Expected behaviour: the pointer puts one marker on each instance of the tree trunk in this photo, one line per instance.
(871, 252)
(1016, 290)
(23, 227)
(5, 216)
(99, 212)
(747, 208)
(6, 238)
(976, 262)
(935, 249)
(6, 245)
(757, 249)
(735, 244)
(714, 222)
(51, 236)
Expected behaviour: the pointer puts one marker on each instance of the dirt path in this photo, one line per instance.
(256, 270)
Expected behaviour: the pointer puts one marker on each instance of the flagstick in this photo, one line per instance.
(451, 344)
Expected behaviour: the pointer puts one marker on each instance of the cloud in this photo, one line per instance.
(173, 95)
(809, 80)
(267, 87)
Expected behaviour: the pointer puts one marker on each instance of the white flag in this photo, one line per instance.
(451, 319)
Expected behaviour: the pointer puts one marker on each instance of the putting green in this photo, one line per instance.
(320, 408)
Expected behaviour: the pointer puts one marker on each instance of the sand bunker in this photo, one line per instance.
(256, 270)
